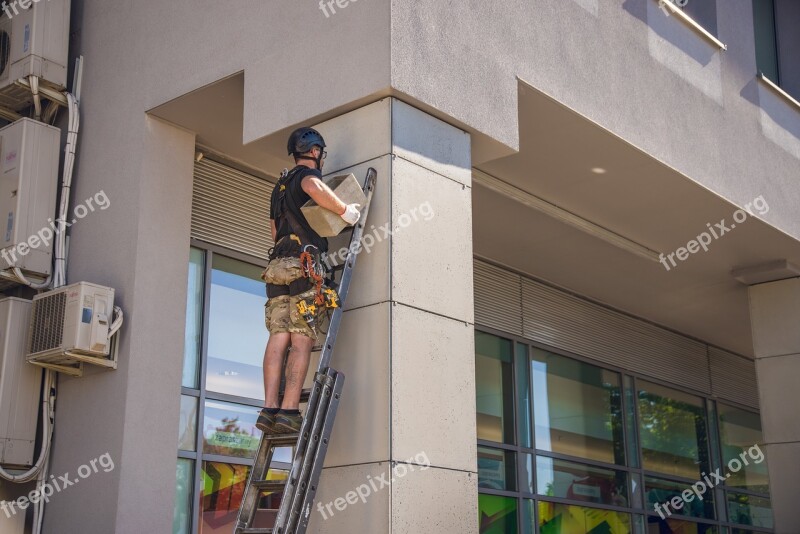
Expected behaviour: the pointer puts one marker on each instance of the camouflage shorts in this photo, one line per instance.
(281, 315)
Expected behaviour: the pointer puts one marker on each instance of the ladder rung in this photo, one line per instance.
(270, 485)
(282, 439)
(257, 530)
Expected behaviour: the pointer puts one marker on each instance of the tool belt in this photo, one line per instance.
(286, 274)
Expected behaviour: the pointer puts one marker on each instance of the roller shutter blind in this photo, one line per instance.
(230, 208)
(518, 305)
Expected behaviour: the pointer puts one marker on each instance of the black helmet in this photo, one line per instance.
(303, 140)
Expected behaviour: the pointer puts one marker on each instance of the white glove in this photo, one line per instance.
(351, 214)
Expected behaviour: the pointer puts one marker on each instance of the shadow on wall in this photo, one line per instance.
(673, 31)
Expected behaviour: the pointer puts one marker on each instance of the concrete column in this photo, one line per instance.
(405, 432)
(140, 247)
(775, 316)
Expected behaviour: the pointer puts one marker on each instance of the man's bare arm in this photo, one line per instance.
(322, 194)
(274, 230)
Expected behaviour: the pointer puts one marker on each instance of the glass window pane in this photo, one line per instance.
(496, 469)
(657, 525)
(630, 422)
(221, 496)
(672, 431)
(577, 408)
(528, 518)
(187, 428)
(749, 510)
(579, 482)
(764, 25)
(663, 495)
(184, 489)
(194, 320)
(523, 395)
(527, 482)
(497, 515)
(236, 332)
(494, 388)
(740, 434)
(565, 518)
(230, 430)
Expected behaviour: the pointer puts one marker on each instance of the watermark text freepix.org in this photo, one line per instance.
(46, 234)
(374, 485)
(368, 240)
(700, 487)
(23, 4)
(325, 5)
(714, 232)
(55, 485)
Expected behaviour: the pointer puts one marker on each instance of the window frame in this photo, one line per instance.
(201, 393)
(628, 380)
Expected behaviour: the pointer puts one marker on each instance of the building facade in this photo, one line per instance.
(580, 302)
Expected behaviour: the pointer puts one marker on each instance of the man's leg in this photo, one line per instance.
(296, 369)
(273, 362)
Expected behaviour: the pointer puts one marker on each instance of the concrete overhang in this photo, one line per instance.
(634, 195)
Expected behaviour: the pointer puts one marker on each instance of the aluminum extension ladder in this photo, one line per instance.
(311, 443)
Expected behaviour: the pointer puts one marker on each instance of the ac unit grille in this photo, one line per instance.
(47, 323)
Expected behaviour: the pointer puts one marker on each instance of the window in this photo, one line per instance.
(777, 40)
(577, 408)
(766, 42)
(221, 395)
(672, 430)
(566, 446)
(495, 418)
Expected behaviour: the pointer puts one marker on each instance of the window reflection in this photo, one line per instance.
(577, 408)
(495, 390)
(187, 427)
(229, 430)
(194, 319)
(222, 491)
(236, 333)
(740, 432)
(497, 515)
(181, 518)
(662, 491)
(562, 518)
(571, 480)
(672, 431)
(496, 469)
(749, 510)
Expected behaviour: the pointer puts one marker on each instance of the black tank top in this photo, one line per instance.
(288, 195)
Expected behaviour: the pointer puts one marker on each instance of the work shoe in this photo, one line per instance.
(266, 420)
(287, 422)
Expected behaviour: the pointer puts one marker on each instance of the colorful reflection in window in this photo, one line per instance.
(230, 430)
(568, 519)
(222, 491)
(497, 515)
(670, 525)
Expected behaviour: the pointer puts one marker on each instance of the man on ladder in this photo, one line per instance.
(290, 281)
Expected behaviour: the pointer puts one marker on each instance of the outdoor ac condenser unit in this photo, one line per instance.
(20, 386)
(33, 42)
(29, 152)
(70, 326)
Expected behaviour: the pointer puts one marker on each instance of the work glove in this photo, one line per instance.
(351, 214)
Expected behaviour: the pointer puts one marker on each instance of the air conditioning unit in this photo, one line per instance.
(29, 152)
(70, 326)
(34, 41)
(20, 386)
